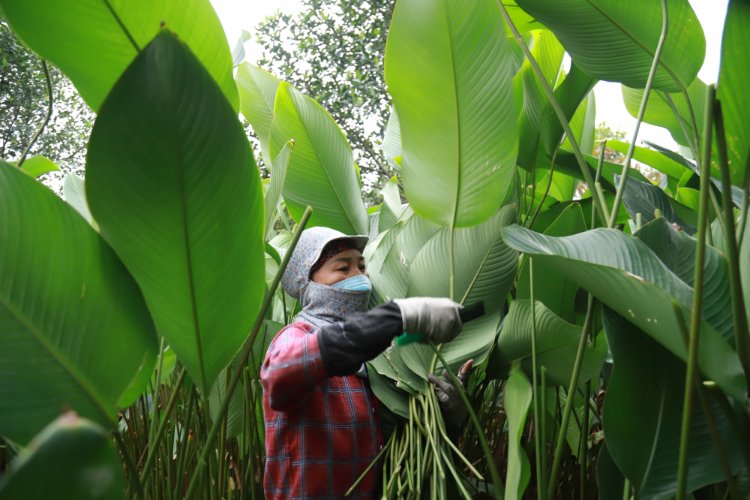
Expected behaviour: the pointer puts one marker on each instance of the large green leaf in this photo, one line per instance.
(37, 166)
(616, 41)
(484, 267)
(660, 113)
(257, 90)
(449, 69)
(516, 401)
(654, 159)
(626, 275)
(172, 183)
(745, 267)
(644, 198)
(643, 414)
(278, 177)
(321, 172)
(550, 287)
(391, 209)
(556, 345)
(74, 330)
(390, 255)
(74, 192)
(71, 459)
(93, 41)
(734, 80)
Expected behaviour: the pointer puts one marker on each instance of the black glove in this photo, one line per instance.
(346, 344)
(452, 407)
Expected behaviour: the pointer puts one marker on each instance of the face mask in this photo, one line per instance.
(359, 283)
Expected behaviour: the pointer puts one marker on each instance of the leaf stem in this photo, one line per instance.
(641, 113)
(695, 317)
(738, 310)
(496, 481)
(578, 364)
(247, 350)
(47, 116)
(555, 106)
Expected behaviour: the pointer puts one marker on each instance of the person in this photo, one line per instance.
(322, 427)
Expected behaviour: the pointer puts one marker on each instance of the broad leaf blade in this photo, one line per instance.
(74, 193)
(457, 117)
(74, 330)
(37, 166)
(93, 41)
(626, 275)
(172, 183)
(278, 177)
(321, 172)
(257, 90)
(71, 459)
(734, 80)
(616, 41)
(643, 414)
(516, 400)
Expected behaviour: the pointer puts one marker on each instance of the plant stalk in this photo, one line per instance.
(578, 364)
(695, 317)
(535, 388)
(247, 350)
(641, 113)
(738, 309)
(47, 116)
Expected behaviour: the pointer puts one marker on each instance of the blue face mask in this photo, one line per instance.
(359, 283)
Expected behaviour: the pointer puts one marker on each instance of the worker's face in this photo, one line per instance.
(343, 265)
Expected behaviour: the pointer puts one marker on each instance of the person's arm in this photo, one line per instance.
(345, 345)
(293, 367)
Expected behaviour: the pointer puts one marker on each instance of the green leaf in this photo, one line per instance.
(321, 172)
(257, 90)
(74, 193)
(616, 41)
(652, 158)
(583, 125)
(390, 255)
(278, 177)
(609, 479)
(391, 209)
(623, 273)
(556, 344)
(643, 413)
(458, 121)
(551, 288)
(734, 80)
(172, 183)
(394, 399)
(644, 198)
(660, 113)
(484, 266)
(392, 139)
(74, 330)
(516, 401)
(744, 259)
(36, 166)
(94, 41)
(71, 459)
(236, 412)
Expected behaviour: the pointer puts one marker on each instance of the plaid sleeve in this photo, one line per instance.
(293, 367)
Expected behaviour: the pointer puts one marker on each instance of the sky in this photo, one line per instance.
(237, 15)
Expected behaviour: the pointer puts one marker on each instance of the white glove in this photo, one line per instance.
(437, 318)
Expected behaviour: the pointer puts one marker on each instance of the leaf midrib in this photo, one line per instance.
(79, 378)
(617, 25)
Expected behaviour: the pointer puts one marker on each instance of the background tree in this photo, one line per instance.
(24, 102)
(333, 52)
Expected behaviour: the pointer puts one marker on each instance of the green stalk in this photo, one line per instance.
(695, 317)
(641, 113)
(132, 471)
(584, 451)
(587, 325)
(738, 309)
(546, 191)
(550, 94)
(47, 115)
(535, 388)
(153, 446)
(599, 167)
(247, 350)
(542, 427)
(496, 481)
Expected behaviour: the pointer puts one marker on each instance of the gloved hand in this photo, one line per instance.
(437, 318)
(453, 408)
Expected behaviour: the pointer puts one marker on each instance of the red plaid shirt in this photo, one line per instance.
(321, 432)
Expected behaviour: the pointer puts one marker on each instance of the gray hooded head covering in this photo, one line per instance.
(321, 304)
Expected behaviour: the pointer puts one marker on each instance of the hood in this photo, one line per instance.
(309, 247)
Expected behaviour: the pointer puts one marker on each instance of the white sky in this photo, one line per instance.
(237, 15)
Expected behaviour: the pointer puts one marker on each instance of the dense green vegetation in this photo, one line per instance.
(612, 356)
